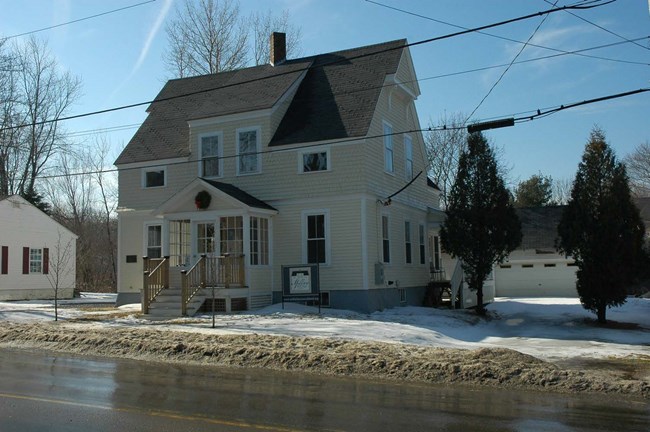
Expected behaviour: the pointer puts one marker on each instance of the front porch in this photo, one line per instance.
(213, 283)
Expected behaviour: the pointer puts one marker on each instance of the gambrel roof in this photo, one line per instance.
(336, 98)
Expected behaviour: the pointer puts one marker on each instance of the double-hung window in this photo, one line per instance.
(248, 150)
(35, 261)
(388, 148)
(154, 241)
(211, 152)
(315, 237)
(422, 247)
(408, 157)
(385, 239)
(407, 242)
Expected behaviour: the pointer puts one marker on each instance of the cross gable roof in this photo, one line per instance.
(336, 98)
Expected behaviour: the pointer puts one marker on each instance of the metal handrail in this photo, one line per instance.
(192, 281)
(456, 282)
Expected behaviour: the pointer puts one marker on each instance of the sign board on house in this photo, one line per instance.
(300, 283)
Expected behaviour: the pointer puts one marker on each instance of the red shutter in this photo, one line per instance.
(5, 260)
(25, 260)
(46, 260)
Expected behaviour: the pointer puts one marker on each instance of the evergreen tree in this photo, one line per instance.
(482, 227)
(602, 229)
(32, 196)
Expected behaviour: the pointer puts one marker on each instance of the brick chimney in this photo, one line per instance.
(278, 48)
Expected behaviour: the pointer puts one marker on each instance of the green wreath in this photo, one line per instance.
(202, 200)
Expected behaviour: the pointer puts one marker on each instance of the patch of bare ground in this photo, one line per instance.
(486, 367)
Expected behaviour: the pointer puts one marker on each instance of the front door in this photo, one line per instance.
(204, 240)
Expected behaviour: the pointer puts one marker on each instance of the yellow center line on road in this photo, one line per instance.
(165, 414)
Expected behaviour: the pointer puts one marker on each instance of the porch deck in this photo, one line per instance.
(212, 277)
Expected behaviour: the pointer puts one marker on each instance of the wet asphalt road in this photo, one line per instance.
(46, 392)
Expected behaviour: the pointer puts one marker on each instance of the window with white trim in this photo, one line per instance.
(248, 151)
(179, 242)
(205, 238)
(422, 244)
(407, 242)
(388, 148)
(154, 241)
(316, 239)
(154, 177)
(408, 157)
(315, 161)
(259, 238)
(211, 150)
(316, 236)
(385, 240)
(35, 260)
(232, 235)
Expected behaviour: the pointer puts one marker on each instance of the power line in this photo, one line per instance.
(118, 128)
(593, 3)
(509, 66)
(498, 36)
(539, 114)
(77, 20)
(603, 28)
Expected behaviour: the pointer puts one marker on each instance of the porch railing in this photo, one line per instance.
(155, 279)
(225, 271)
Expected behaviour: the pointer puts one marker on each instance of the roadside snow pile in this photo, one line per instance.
(516, 340)
(486, 366)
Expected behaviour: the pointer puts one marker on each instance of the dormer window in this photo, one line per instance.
(248, 151)
(211, 153)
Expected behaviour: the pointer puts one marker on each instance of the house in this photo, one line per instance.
(317, 161)
(35, 251)
(536, 268)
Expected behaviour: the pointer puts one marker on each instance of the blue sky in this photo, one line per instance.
(119, 59)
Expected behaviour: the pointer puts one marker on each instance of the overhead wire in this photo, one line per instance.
(593, 3)
(538, 114)
(503, 73)
(76, 20)
(603, 28)
(497, 36)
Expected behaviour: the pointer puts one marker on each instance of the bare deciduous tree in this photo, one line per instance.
(561, 191)
(638, 168)
(263, 25)
(444, 144)
(83, 198)
(60, 267)
(35, 94)
(205, 37)
(444, 148)
(210, 36)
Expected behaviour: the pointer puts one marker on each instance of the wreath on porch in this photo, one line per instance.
(202, 200)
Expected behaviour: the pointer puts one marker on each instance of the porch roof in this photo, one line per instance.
(226, 192)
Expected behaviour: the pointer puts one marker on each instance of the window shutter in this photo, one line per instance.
(46, 260)
(5, 259)
(25, 260)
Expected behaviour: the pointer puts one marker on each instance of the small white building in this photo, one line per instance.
(536, 268)
(35, 252)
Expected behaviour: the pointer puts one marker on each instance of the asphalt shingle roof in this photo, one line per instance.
(539, 226)
(336, 99)
(239, 194)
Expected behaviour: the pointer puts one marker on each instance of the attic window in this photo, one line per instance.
(154, 177)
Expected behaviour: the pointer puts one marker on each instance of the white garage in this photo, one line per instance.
(535, 269)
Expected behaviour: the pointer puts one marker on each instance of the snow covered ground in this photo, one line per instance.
(547, 328)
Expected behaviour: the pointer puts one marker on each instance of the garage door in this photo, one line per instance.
(550, 279)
